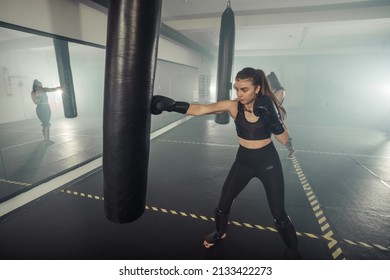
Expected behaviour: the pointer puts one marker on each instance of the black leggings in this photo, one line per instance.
(44, 114)
(263, 163)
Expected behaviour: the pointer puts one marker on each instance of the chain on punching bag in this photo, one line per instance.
(225, 60)
(131, 56)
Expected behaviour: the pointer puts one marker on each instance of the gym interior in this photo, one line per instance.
(337, 186)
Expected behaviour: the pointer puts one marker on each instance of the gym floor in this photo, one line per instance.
(337, 194)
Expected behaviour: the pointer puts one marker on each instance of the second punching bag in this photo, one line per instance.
(131, 57)
(66, 79)
(225, 60)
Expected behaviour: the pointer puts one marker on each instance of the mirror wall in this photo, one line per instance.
(25, 159)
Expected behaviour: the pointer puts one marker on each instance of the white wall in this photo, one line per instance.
(67, 18)
(75, 20)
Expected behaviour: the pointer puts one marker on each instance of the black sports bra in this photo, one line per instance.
(250, 131)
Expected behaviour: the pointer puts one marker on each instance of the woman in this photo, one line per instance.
(256, 113)
(40, 98)
(280, 94)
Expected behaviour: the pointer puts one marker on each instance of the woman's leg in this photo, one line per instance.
(273, 181)
(238, 177)
(44, 115)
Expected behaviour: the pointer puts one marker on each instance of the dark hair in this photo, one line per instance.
(274, 82)
(36, 83)
(259, 78)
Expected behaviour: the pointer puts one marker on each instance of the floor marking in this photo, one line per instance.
(381, 247)
(13, 130)
(259, 227)
(197, 143)
(336, 251)
(350, 242)
(78, 135)
(248, 225)
(327, 237)
(168, 127)
(22, 144)
(365, 244)
(14, 182)
(55, 183)
(342, 154)
(52, 136)
(300, 151)
(372, 173)
(334, 127)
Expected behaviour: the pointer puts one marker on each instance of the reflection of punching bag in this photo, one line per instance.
(225, 60)
(131, 57)
(66, 80)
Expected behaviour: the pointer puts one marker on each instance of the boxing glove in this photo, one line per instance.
(265, 108)
(162, 103)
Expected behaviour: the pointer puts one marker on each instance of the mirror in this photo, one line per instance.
(25, 159)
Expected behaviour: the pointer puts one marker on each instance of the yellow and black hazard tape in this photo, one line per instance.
(336, 251)
(366, 245)
(83, 194)
(235, 223)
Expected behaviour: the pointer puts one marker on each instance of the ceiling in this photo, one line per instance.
(279, 27)
(285, 27)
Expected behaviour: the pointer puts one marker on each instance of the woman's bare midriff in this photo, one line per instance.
(254, 144)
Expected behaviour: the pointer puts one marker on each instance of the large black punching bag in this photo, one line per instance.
(225, 60)
(61, 49)
(131, 57)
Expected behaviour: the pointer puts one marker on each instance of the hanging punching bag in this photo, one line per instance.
(131, 56)
(61, 49)
(225, 60)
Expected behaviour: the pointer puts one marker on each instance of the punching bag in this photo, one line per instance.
(225, 60)
(61, 49)
(131, 57)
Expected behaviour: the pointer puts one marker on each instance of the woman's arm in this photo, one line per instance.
(35, 98)
(162, 103)
(213, 108)
(50, 89)
(282, 138)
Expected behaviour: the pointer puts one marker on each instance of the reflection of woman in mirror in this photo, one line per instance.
(40, 98)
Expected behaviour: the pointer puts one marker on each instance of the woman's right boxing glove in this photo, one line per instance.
(162, 103)
(265, 108)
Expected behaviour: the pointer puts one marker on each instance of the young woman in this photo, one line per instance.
(40, 98)
(280, 94)
(256, 115)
